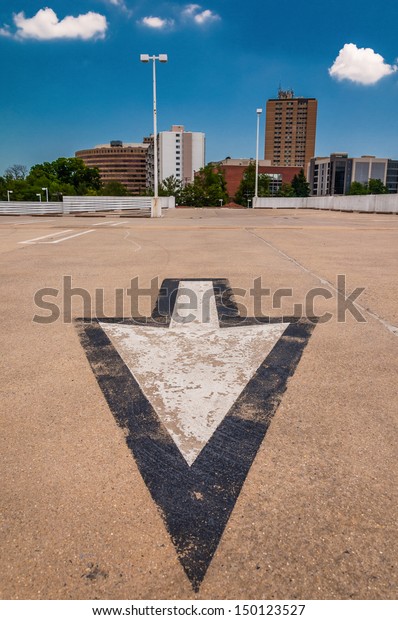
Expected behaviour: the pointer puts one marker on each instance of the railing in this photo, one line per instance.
(30, 208)
(86, 204)
(78, 204)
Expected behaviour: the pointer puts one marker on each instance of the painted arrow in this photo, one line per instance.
(195, 388)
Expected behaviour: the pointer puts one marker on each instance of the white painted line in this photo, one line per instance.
(32, 221)
(46, 236)
(193, 372)
(109, 224)
(195, 306)
(85, 232)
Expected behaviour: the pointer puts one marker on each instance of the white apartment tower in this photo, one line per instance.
(180, 154)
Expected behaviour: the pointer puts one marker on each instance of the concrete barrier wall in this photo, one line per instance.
(168, 202)
(380, 203)
(279, 203)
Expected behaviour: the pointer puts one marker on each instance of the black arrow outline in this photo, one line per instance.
(195, 501)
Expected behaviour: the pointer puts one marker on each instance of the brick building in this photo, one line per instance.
(234, 169)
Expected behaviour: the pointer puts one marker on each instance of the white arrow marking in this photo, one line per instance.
(193, 372)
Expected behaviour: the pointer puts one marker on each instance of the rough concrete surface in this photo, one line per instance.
(317, 514)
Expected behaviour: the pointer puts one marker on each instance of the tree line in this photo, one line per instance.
(373, 186)
(69, 176)
(72, 177)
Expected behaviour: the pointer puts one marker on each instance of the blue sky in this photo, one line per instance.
(71, 76)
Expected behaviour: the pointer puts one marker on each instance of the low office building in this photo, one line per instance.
(392, 176)
(118, 161)
(333, 175)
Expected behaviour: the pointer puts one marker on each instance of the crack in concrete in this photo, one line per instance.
(393, 329)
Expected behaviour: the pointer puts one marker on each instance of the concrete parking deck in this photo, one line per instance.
(313, 515)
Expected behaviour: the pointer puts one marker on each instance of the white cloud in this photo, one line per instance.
(120, 4)
(190, 12)
(206, 16)
(5, 32)
(193, 11)
(45, 26)
(156, 22)
(361, 65)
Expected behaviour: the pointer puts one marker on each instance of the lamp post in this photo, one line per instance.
(39, 197)
(156, 210)
(45, 189)
(259, 112)
(9, 191)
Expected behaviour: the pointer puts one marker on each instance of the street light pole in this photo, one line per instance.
(156, 208)
(259, 112)
(39, 197)
(45, 189)
(9, 191)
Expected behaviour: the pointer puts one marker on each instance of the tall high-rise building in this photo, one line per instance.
(290, 130)
(180, 154)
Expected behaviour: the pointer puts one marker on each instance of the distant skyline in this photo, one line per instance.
(72, 79)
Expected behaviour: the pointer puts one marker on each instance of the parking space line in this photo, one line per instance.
(40, 240)
(46, 236)
(85, 232)
(109, 224)
(32, 221)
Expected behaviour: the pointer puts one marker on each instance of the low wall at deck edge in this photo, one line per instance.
(372, 203)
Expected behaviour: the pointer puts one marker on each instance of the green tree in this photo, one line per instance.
(207, 190)
(171, 186)
(66, 175)
(300, 185)
(246, 187)
(286, 191)
(113, 188)
(375, 186)
(357, 189)
(3, 189)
